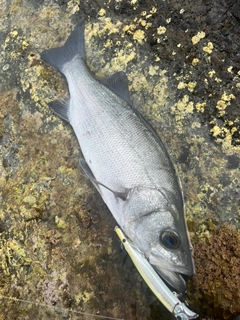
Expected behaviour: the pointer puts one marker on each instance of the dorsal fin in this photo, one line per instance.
(117, 83)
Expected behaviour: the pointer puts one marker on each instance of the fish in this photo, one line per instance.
(125, 160)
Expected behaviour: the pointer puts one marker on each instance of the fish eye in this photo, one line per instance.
(170, 239)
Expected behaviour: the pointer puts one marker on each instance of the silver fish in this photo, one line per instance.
(125, 160)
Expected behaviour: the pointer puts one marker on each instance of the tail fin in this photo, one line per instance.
(75, 45)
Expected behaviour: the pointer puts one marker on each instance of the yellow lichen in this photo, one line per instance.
(7, 40)
(25, 45)
(106, 25)
(200, 35)
(181, 85)
(138, 82)
(226, 97)
(238, 85)
(191, 85)
(224, 102)
(139, 36)
(14, 33)
(189, 107)
(102, 12)
(129, 28)
(14, 55)
(215, 131)
(227, 142)
(161, 30)
(195, 61)
(142, 22)
(229, 69)
(161, 87)
(200, 106)
(211, 73)
(148, 25)
(196, 124)
(13, 256)
(108, 43)
(121, 60)
(84, 296)
(218, 80)
(153, 10)
(221, 105)
(184, 105)
(73, 6)
(209, 48)
(153, 70)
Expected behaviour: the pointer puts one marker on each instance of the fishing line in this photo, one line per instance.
(58, 308)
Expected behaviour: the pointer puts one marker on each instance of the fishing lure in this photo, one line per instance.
(168, 298)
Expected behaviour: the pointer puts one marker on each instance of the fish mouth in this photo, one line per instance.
(170, 272)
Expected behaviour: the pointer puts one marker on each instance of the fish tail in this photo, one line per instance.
(75, 45)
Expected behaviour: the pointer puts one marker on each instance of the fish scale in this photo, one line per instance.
(126, 161)
(118, 135)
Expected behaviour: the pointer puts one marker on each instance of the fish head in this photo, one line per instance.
(167, 248)
(162, 236)
(171, 255)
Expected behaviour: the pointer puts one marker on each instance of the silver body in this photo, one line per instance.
(126, 156)
(121, 153)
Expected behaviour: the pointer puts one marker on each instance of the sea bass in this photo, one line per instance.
(125, 160)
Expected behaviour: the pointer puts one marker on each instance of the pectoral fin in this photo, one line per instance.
(96, 183)
(61, 107)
